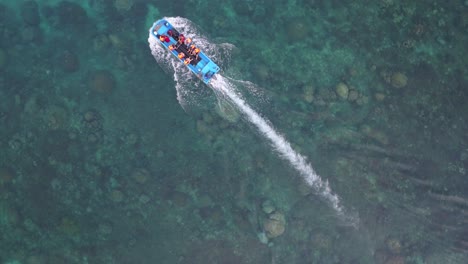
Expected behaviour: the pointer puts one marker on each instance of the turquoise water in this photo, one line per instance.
(105, 158)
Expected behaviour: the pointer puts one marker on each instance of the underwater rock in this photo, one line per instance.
(308, 93)
(9, 216)
(243, 8)
(68, 61)
(3, 58)
(130, 139)
(6, 175)
(261, 72)
(179, 199)
(120, 41)
(93, 138)
(353, 95)
(310, 3)
(140, 9)
(274, 225)
(362, 100)
(123, 5)
(141, 175)
(263, 238)
(379, 96)
(268, 207)
(56, 117)
(214, 214)
(398, 80)
(207, 118)
(208, 251)
(31, 34)
(101, 42)
(395, 260)
(71, 14)
(227, 111)
(304, 189)
(375, 134)
(342, 90)
(393, 245)
(30, 13)
(125, 61)
(203, 128)
(102, 82)
(296, 29)
(321, 241)
(144, 199)
(93, 123)
(92, 120)
(37, 259)
(116, 196)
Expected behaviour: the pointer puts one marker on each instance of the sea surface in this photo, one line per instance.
(335, 133)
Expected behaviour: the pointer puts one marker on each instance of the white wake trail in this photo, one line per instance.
(281, 145)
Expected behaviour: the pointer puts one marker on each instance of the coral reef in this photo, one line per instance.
(69, 61)
(398, 80)
(102, 82)
(71, 14)
(99, 163)
(30, 13)
(123, 5)
(141, 175)
(3, 58)
(297, 29)
(274, 225)
(342, 90)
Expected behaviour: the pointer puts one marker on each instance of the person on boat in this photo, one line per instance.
(181, 40)
(191, 49)
(188, 41)
(188, 60)
(169, 32)
(172, 47)
(164, 38)
(195, 52)
(181, 55)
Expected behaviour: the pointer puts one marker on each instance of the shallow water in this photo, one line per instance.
(107, 157)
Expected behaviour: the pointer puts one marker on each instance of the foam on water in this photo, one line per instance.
(280, 144)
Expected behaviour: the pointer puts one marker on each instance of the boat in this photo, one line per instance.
(184, 50)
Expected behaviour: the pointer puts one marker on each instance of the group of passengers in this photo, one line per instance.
(192, 50)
